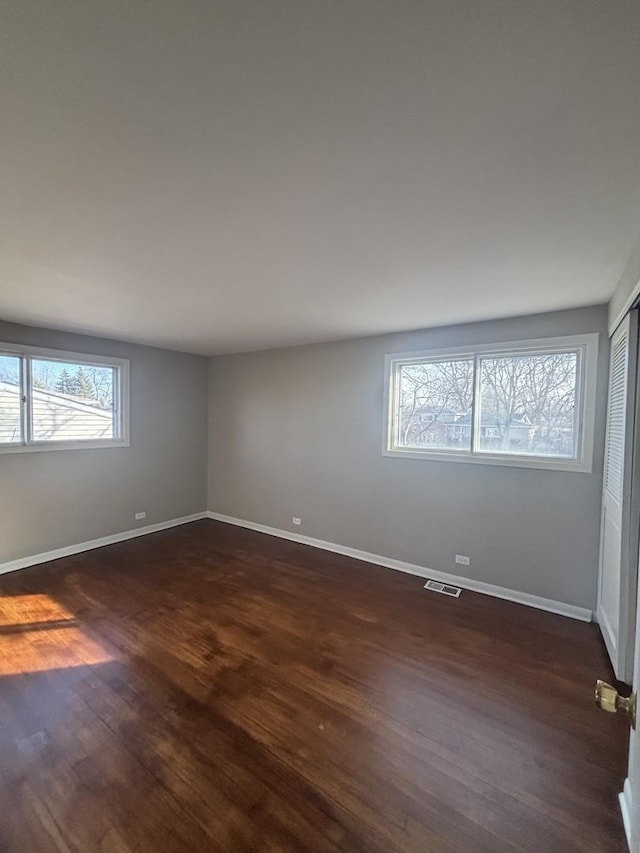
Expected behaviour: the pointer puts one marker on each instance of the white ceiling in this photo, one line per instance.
(241, 174)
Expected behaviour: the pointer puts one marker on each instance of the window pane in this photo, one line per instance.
(434, 405)
(527, 405)
(10, 406)
(71, 401)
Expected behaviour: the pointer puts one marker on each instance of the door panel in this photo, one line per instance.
(618, 562)
(630, 796)
(610, 589)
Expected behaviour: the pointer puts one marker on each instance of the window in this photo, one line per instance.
(529, 404)
(51, 399)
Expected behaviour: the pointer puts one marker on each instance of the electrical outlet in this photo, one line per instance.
(297, 521)
(140, 516)
(462, 560)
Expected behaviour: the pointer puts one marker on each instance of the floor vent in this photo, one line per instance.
(444, 588)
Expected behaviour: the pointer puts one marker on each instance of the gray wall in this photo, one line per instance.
(55, 498)
(298, 431)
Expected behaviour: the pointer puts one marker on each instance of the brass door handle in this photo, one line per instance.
(608, 698)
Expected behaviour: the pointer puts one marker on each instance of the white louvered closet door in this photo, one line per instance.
(617, 581)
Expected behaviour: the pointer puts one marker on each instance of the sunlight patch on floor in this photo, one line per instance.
(38, 634)
(28, 609)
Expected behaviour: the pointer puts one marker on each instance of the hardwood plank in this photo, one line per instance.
(211, 688)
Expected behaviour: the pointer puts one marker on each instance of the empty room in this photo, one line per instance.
(319, 426)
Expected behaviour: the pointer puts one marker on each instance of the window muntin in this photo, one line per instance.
(52, 399)
(529, 404)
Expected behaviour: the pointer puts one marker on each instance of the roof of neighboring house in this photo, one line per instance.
(436, 411)
(56, 417)
(493, 421)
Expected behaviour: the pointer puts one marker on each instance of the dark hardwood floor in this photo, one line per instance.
(212, 689)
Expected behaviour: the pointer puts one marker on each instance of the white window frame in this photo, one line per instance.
(120, 402)
(585, 345)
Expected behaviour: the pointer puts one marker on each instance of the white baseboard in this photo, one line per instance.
(69, 550)
(526, 598)
(536, 601)
(625, 808)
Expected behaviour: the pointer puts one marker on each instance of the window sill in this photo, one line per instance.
(36, 447)
(544, 463)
